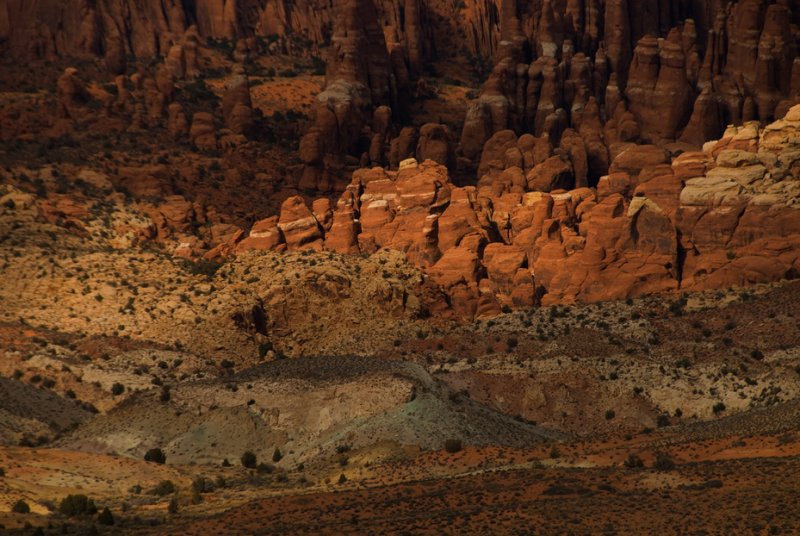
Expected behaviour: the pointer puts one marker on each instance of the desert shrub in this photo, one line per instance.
(610, 414)
(277, 455)
(77, 505)
(662, 420)
(173, 506)
(676, 307)
(202, 267)
(342, 478)
(106, 517)
(155, 455)
(718, 408)
(165, 487)
(663, 462)
(633, 461)
(202, 484)
(21, 507)
(117, 389)
(249, 460)
(265, 468)
(452, 445)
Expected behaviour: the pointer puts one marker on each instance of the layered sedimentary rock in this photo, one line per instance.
(72, 94)
(612, 71)
(650, 72)
(360, 79)
(585, 171)
(725, 215)
(152, 28)
(237, 108)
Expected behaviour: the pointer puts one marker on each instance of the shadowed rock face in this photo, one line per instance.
(679, 70)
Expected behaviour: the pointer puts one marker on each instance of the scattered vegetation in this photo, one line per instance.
(663, 462)
(165, 487)
(77, 505)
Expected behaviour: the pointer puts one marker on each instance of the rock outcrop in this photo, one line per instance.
(237, 108)
(620, 71)
(610, 71)
(72, 94)
(726, 215)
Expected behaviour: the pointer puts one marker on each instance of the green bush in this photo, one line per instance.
(277, 455)
(664, 462)
(117, 389)
(202, 267)
(452, 445)
(633, 461)
(202, 484)
(21, 507)
(165, 487)
(249, 460)
(77, 505)
(106, 517)
(155, 455)
(265, 468)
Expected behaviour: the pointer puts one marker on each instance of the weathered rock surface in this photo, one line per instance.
(605, 71)
(621, 71)
(725, 216)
